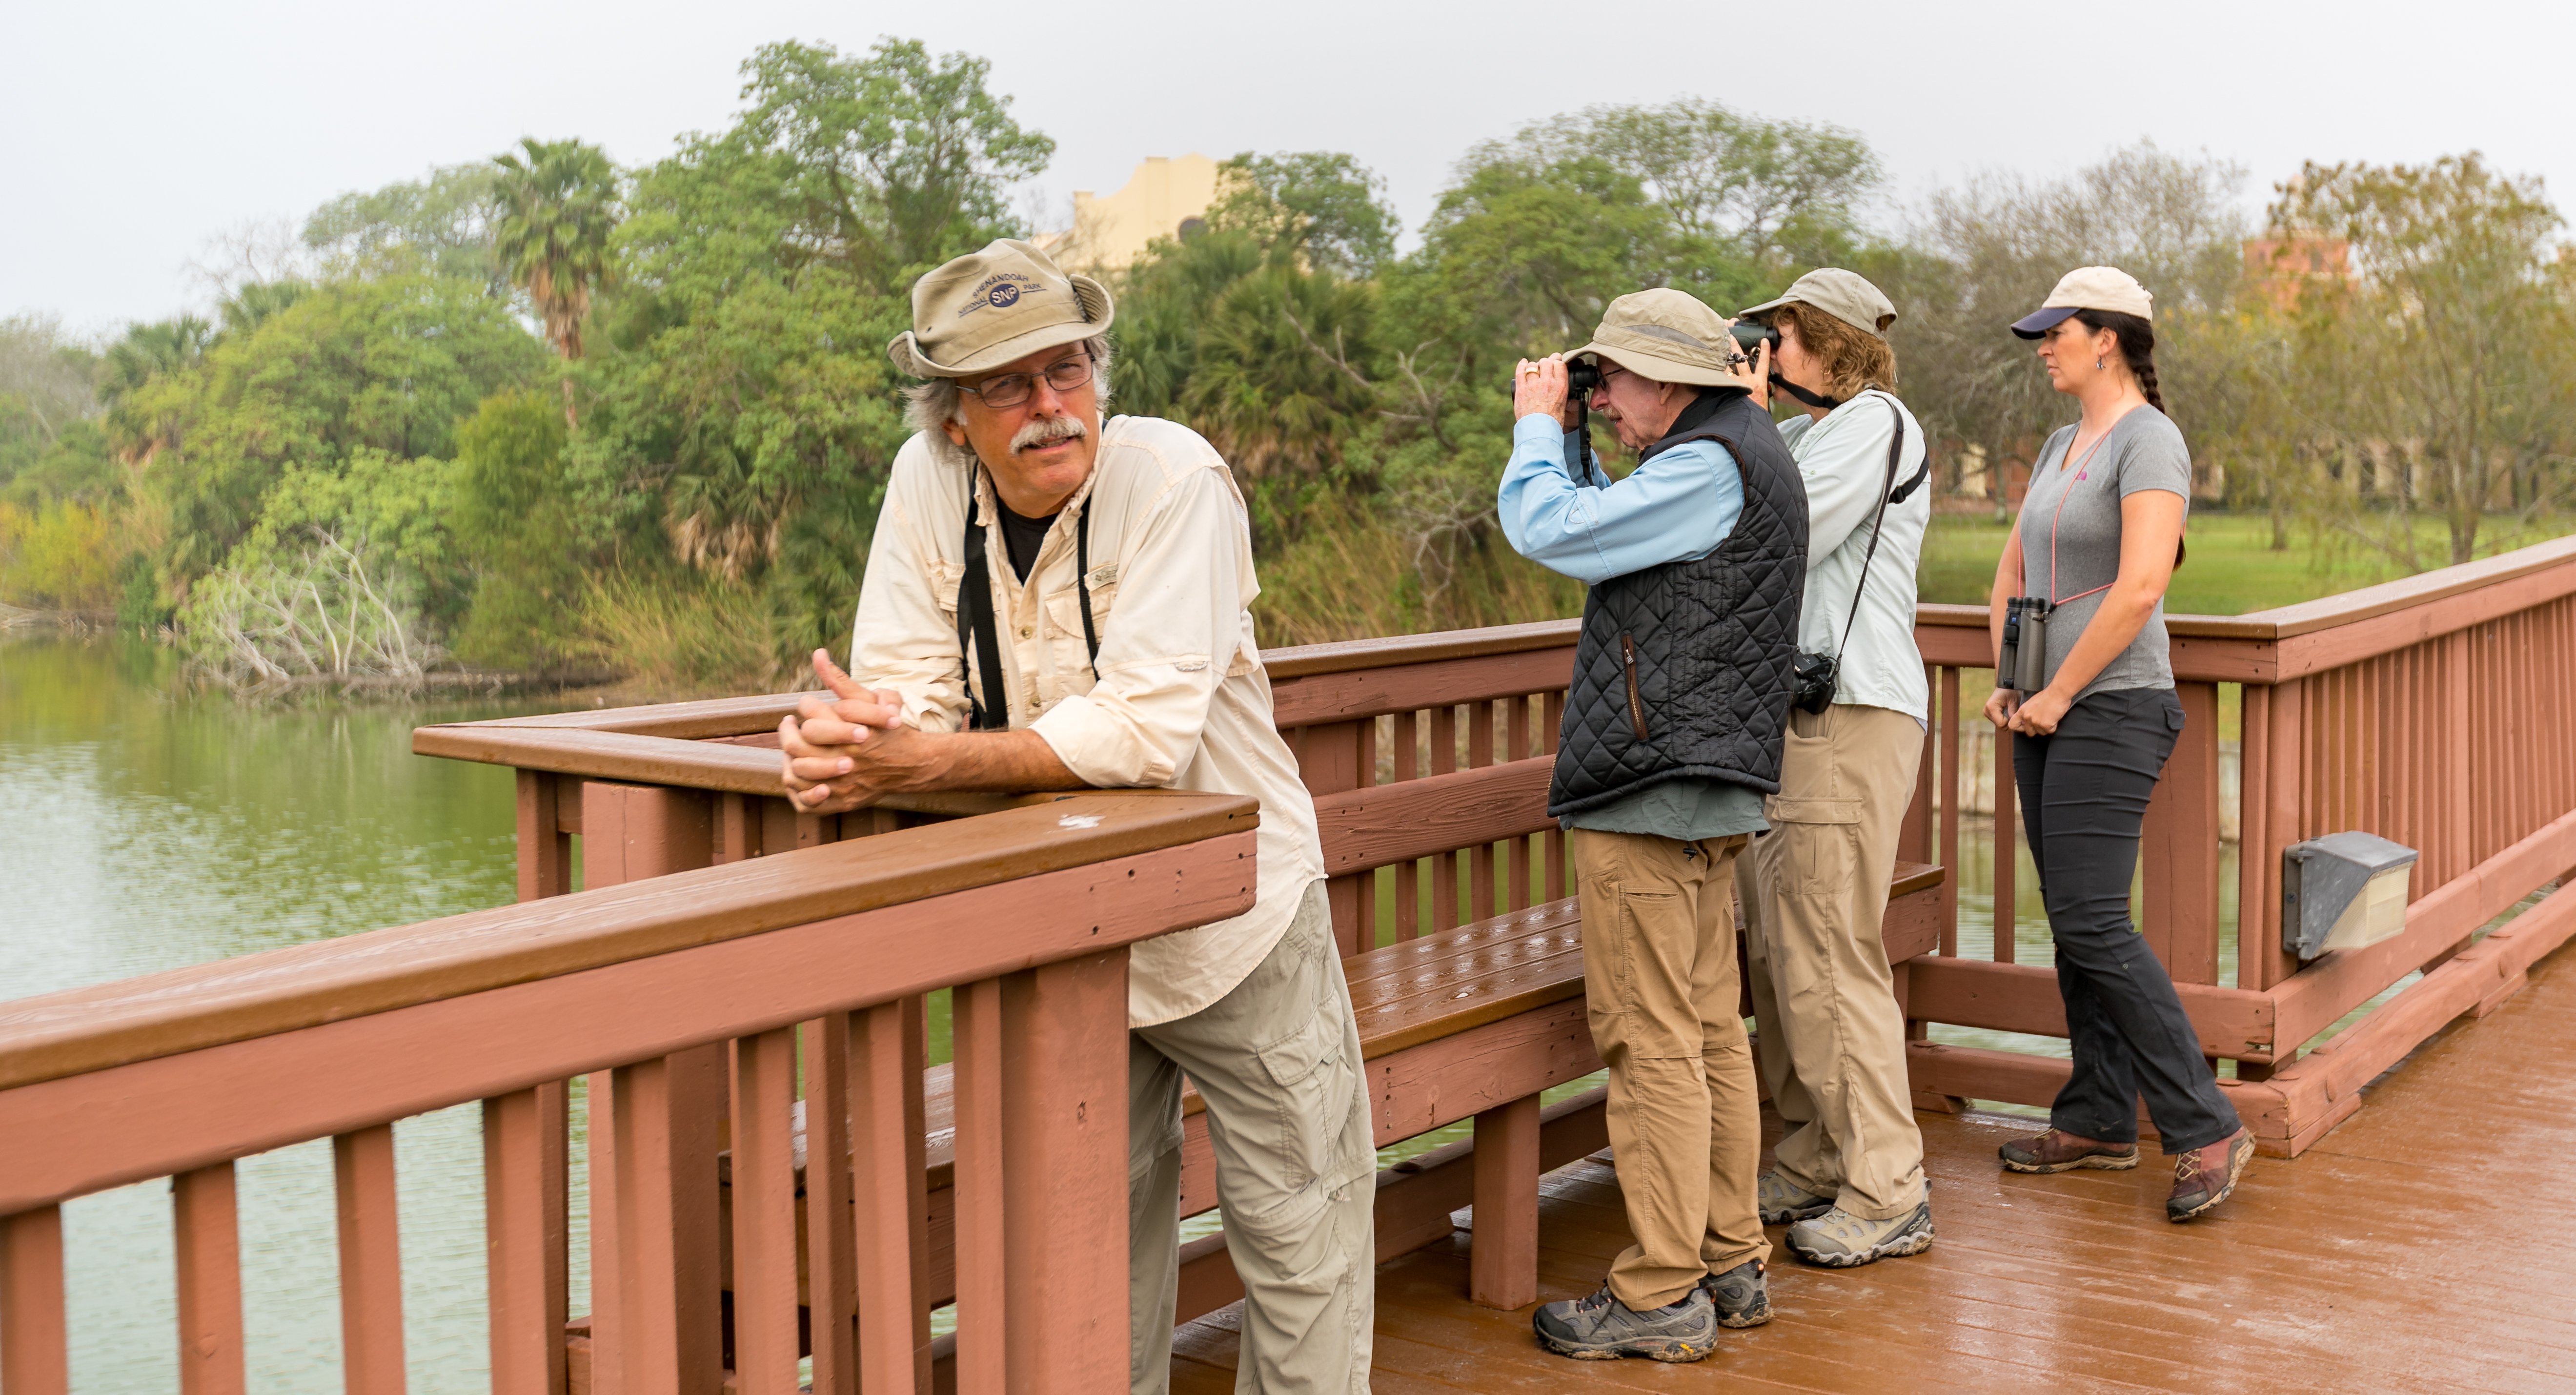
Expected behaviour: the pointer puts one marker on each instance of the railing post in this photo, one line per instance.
(893, 1224)
(525, 1228)
(1064, 1158)
(1503, 1256)
(371, 1310)
(764, 1213)
(982, 1249)
(35, 1347)
(830, 1240)
(207, 1227)
(1329, 761)
(545, 850)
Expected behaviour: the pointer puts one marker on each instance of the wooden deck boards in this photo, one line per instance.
(2419, 1247)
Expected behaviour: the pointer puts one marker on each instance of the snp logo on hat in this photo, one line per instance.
(1001, 291)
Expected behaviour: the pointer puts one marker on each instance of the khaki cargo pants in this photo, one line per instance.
(1278, 1061)
(1824, 1000)
(1661, 991)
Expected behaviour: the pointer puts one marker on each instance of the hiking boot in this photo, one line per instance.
(1840, 1240)
(2204, 1177)
(1601, 1328)
(1741, 1296)
(1782, 1201)
(2060, 1151)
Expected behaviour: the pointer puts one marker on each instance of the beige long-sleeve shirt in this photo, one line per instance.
(1181, 701)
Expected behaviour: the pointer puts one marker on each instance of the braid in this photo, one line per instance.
(2144, 365)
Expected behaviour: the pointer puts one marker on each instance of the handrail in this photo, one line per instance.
(307, 985)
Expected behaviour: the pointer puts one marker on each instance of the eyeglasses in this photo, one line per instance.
(1013, 389)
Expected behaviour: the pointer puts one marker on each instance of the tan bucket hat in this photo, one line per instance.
(1665, 335)
(1846, 295)
(988, 308)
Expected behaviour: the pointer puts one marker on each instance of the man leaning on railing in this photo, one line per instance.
(1056, 600)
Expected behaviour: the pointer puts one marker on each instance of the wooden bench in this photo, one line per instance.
(1468, 1023)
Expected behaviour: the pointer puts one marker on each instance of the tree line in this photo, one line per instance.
(537, 414)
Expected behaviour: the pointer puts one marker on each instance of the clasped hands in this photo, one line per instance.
(2036, 714)
(850, 751)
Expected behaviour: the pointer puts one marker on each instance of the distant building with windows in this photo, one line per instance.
(1166, 197)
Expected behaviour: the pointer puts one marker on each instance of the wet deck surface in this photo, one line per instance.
(2427, 1244)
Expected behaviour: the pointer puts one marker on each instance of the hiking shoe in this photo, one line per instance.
(1741, 1296)
(2204, 1177)
(1840, 1240)
(1601, 1328)
(1782, 1202)
(2059, 1151)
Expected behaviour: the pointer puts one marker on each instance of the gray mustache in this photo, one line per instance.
(1046, 431)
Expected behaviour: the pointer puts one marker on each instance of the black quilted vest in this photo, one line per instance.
(1683, 669)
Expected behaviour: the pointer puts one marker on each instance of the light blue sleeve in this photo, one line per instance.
(1674, 508)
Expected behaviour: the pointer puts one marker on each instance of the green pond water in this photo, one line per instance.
(144, 827)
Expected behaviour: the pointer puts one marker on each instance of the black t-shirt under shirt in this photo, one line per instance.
(1022, 537)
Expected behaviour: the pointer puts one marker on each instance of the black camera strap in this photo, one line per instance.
(1888, 493)
(977, 632)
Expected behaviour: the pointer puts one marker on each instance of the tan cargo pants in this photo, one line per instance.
(1824, 1000)
(1661, 990)
(1278, 1061)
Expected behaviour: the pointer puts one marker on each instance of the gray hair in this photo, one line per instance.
(932, 404)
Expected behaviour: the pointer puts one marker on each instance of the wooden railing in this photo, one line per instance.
(695, 993)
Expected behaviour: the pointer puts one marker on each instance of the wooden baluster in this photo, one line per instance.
(2280, 790)
(1502, 1261)
(830, 1239)
(2007, 848)
(1444, 866)
(1950, 799)
(1064, 1147)
(1914, 835)
(1552, 842)
(1519, 735)
(665, 1338)
(1480, 859)
(545, 850)
(2178, 850)
(1408, 875)
(893, 1227)
(737, 834)
(35, 1338)
(207, 1223)
(1328, 760)
(1365, 938)
(371, 1311)
(764, 1214)
(526, 1225)
(976, 1037)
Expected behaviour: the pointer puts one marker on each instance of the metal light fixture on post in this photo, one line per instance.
(2343, 891)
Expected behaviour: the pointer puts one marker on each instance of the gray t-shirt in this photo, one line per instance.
(1688, 809)
(2143, 450)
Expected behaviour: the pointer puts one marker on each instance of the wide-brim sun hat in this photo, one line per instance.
(1848, 296)
(2087, 288)
(993, 307)
(1665, 335)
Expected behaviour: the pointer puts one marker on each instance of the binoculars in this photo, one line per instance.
(2023, 664)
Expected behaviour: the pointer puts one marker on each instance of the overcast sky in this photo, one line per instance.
(137, 133)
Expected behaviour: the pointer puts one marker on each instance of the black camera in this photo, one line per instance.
(1814, 677)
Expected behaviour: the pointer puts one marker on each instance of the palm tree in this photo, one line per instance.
(558, 201)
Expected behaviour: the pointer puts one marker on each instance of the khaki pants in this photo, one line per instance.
(1660, 983)
(1278, 1061)
(1824, 1000)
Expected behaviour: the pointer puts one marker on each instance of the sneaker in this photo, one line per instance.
(1782, 1201)
(2059, 1151)
(1840, 1240)
(1743, 1299)
(1601, 1328)
(2205, 1177)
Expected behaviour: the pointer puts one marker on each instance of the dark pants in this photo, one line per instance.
(2084, 795)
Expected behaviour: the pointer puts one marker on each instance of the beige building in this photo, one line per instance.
(1161, 198)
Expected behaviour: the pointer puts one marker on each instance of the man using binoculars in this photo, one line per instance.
(1672, 736)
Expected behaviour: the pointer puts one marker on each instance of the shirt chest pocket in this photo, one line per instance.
(1064, 618)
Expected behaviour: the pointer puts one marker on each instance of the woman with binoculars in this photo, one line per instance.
(2093, 715)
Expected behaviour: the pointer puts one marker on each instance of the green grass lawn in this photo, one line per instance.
(2231, 569)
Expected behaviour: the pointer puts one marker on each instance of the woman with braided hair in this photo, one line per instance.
(2099, 534)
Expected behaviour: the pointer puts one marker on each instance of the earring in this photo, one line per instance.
(2097, 365)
